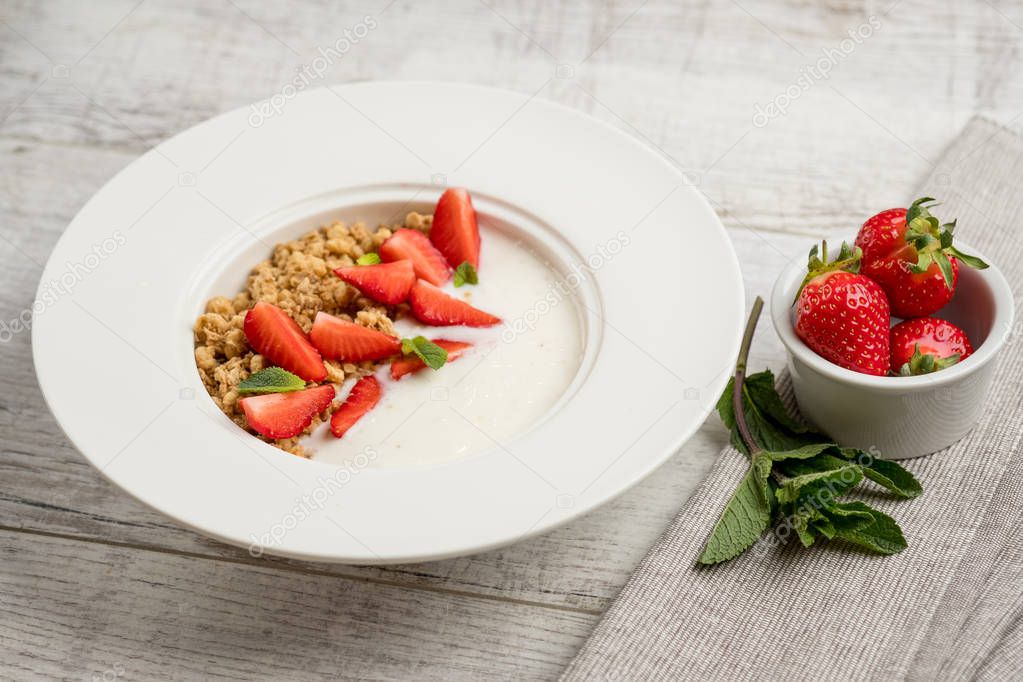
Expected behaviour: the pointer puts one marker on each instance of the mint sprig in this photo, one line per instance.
(271, 380)
(796, 475)
(466, 274)
(371, 258)
(432, 355)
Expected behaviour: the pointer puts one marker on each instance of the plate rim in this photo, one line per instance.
(639, 474)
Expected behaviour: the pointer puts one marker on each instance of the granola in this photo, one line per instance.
(298, 278)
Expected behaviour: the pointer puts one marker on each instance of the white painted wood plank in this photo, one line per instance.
(581, 565)
(75, 610)
(86, 87)
(686, 77)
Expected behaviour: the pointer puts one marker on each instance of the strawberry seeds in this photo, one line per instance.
(903, 265)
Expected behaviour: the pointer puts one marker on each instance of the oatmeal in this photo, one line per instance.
(299, 279)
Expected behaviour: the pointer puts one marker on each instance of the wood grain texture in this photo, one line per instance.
(685, 77)
(91, 578)
(74, 609)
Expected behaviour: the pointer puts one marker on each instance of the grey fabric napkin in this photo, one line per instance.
(948, 607)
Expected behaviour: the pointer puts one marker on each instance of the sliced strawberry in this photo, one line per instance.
(338, 339)
(411, 363)
(415, 246)
(430, 305)
(285, 415)
(273, 334)
(455, 232)
(387, 282)
(363, 396)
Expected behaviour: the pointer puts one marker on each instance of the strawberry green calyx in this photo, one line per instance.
(925, 363)
(848, 260)
(933, 241)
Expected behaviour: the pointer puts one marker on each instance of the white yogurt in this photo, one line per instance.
(496, 390)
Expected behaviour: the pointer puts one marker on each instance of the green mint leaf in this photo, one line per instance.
(825, 527)
(802, 521)
(826, 518)
(724, 406)
(805, 452)
(825, 461)
(271, 380)
(761, 469)
(893, 477)
(880, 534)
(760, 388)
(890, 475)
(798, 474)
(430, 353)
(466, 274)
(744, 519)
(846, 517)
(820, 485)
(371, 258)
(771, 425)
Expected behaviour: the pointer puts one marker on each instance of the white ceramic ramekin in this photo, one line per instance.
(901, 417)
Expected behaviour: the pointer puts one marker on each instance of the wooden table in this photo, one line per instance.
(791, 127)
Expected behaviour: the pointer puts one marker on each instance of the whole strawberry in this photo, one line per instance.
(910, 254)
(842, 315)
(927, 344)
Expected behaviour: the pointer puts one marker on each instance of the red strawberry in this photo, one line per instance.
(415, 246)
(273, 334)
(338, 339)
(843, 316)
(911, 256)
(927, 344)
(454, 231)
(387, 282)
(411, 363)
(361, 399)
(432, 306)
(285, 415)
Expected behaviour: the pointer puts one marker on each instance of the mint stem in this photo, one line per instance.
(739, 386)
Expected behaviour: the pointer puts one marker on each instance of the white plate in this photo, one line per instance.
(112, 331)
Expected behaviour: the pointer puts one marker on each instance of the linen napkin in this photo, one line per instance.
(948, 607)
